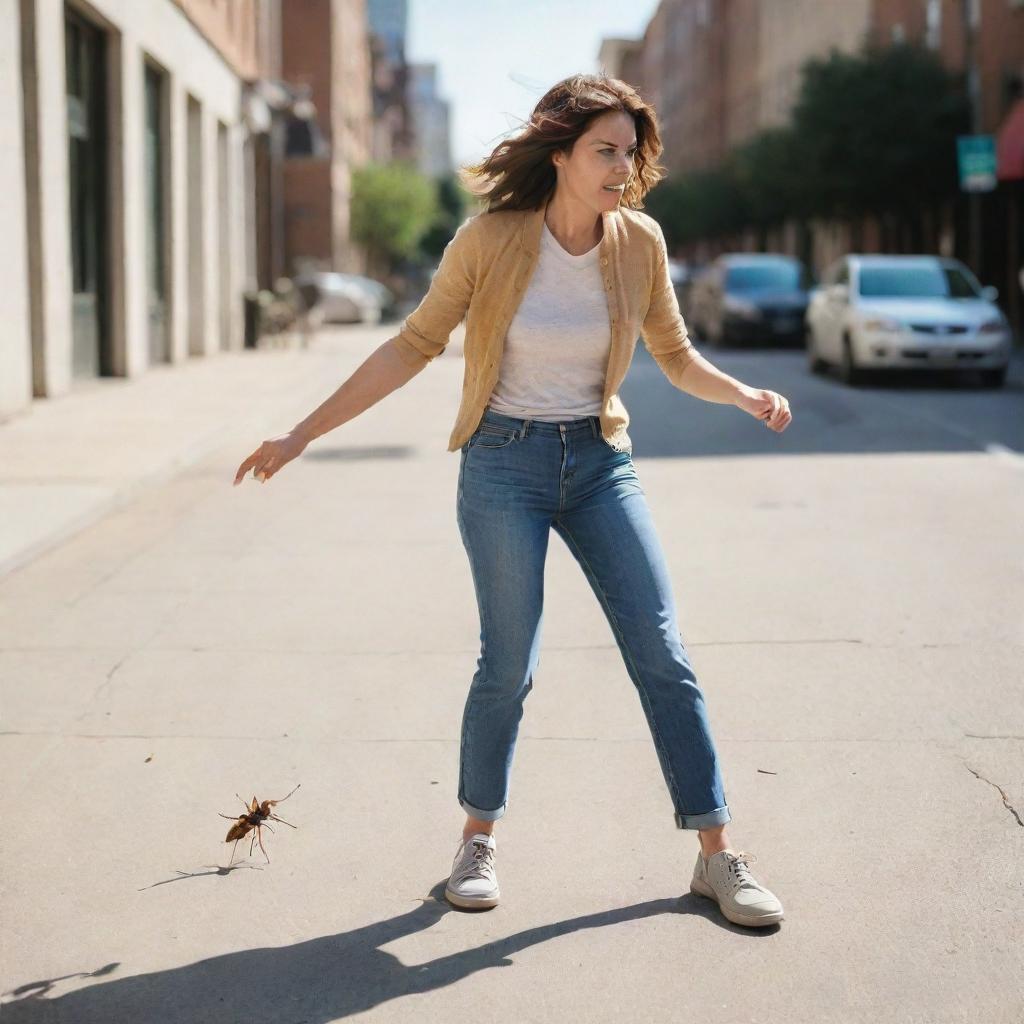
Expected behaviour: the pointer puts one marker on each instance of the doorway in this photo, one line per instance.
(85, 55)
(156, 215)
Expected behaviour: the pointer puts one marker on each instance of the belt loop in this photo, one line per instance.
(594, 428)
(526, 428)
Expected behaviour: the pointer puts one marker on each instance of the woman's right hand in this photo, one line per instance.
(271, 456)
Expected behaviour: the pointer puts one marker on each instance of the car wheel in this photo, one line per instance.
(993, 378)
(849, 372)
(814, 362)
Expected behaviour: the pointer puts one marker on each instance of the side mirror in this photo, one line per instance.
(990, 293)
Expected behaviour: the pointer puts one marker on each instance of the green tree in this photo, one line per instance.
(768, 174)
(876, 132)
(452, 203)
(393, 206)
(701, 204)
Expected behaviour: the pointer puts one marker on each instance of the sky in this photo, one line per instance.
(497, 58)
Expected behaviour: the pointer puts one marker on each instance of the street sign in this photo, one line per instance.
(976, 155)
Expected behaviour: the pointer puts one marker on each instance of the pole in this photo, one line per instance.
(971, 11)
(1013, 283)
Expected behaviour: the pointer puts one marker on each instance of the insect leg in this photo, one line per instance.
(260, 834)
(284, 797)
(283, 822)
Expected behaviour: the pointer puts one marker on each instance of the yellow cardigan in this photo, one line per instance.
(482, 276)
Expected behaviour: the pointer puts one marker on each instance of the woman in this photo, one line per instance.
(555, 280)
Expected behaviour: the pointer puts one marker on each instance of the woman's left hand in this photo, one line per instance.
(768, 406)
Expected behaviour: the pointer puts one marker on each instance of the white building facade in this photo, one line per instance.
(123, 193)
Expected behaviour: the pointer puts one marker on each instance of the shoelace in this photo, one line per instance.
(738, 865)
(483, 861)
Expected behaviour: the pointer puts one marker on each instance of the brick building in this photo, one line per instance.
(720, 71)
(325, 51)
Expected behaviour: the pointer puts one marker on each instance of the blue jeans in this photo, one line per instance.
(518, 478)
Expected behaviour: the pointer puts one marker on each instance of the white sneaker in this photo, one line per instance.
(726, 878)
(473, 882)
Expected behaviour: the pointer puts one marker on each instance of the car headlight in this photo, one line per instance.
(992, 327)
(883, 323)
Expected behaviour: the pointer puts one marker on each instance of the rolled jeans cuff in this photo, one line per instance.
(480, 814)
(711, 819)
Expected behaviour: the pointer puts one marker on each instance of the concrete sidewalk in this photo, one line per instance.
(69, 461)
(853, 620)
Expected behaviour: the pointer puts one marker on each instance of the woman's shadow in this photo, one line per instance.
(311, 982)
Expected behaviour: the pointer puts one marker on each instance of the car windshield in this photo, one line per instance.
(935, 282)
(746, 277)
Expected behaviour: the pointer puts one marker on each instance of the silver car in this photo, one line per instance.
(906, 312)
(347, 298)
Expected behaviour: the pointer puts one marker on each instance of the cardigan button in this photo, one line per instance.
(604, 261)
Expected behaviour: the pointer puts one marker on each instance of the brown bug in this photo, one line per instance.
(255, 817)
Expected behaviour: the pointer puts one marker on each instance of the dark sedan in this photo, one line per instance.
(751, 297)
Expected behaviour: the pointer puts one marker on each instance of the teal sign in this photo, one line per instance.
(976, 155)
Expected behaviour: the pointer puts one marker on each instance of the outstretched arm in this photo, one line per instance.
(382, 372)
(421, 338)
(665, 335)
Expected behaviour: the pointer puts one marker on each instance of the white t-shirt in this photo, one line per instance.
(556, 350)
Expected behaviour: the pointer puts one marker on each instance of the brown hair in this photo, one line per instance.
(519, 175)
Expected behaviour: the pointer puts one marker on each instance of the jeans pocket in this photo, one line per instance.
(488, 435)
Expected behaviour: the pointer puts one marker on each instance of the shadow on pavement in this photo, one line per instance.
(311, 982)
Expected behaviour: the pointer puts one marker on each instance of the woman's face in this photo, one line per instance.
(603, 155)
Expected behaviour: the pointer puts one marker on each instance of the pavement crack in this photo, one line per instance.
(104, 685)
(1002, 793)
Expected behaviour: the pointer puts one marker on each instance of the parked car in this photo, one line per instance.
(750, 297)
(347, 298)
(906, 312)
(386, 298)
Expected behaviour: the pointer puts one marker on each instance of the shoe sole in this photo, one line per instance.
(470, 902)
(751, 922)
